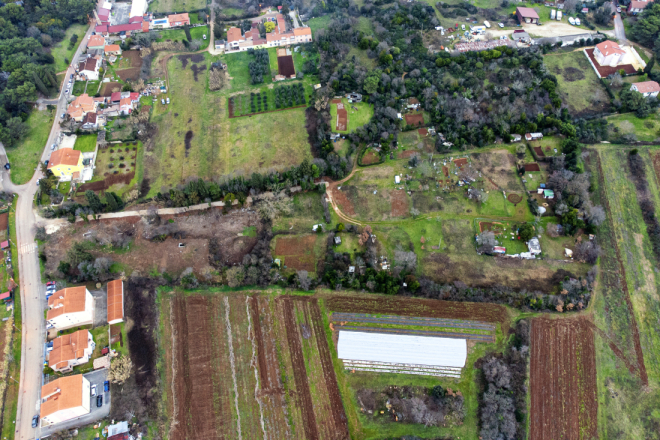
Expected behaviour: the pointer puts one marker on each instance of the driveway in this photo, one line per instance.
(95, 378)
(100, 307)
(31, 289)
(548, 29)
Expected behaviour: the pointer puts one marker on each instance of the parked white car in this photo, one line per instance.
(577, 22)
(462, 27)
(487, 24)
(500, 25)
(571, 20)
(204, 36)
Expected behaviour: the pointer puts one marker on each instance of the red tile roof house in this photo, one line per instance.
(89, 68)
(178, 19)
(125, 106)
(96, 42)
(71, 350)
(64, 399)
(115, 302)
(129, 29)
(527, 15)
(89, 121)
(608, 53)
(636, 7)
(70, 307)
(112, 49)
(646, 88)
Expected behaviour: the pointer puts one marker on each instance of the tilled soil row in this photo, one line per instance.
(338, 415)
(421, 307)
(563, 380)
(622, 279)
(304, 396)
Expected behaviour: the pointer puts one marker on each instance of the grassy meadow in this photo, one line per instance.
(25, 156)
(356, 118)
(61, 51)
(178, 6)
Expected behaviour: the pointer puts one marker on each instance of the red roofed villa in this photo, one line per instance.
(608, 53)
(527, 15)
(646, 88)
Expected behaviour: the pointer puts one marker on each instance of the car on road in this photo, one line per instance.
(106, 386)
(99, 401)
(7, 166)
(618, 9)
(50, 283)
(46, 163)
(35, 421)
(93, 390)
(63, 115)
(38, 180)
(500, 25)
(52, 147)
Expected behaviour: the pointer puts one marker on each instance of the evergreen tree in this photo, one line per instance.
(40, 85)
(94, 201)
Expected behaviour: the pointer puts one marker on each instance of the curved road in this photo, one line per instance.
(32, 291)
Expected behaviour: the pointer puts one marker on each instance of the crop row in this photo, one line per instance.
(402, 320)
(421, 370)
(430, 333)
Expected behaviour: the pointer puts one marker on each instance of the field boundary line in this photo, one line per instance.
(253, 364)
(174, 421)
(233, 366)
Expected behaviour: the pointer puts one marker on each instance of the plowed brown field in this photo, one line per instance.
(563, 380)
(421, 307)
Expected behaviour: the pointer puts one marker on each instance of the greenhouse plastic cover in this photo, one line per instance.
(408, 349)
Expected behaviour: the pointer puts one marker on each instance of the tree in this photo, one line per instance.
(285, 9)
(270, 26)
(340, 227)
(649, 66)
(304, 280)
(235, 276)
(94, 201)
(486, 241)
(120, 370)
(587, 251)
(526, 231)
(596, 215)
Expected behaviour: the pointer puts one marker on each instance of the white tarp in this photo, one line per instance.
(408, 349)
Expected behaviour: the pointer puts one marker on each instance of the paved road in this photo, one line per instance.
(32, 290)
(619, 30)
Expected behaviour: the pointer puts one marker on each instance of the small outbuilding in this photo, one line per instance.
(548, 194)
(527, 15)
(397, 179)
(534, 246)
(337, 240)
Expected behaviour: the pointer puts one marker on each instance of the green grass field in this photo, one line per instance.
(60, 51)
(86, 143)
(647, 129)
(217, 145)
(25, 156)
(178, 6)
(237, 66)
(319, 23)
(624, 409)
(575, 75)
(356, 118)
(197, 33)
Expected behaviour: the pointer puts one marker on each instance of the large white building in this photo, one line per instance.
(70, 307)
(64, 399)
(400, 353)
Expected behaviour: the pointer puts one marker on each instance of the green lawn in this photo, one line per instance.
(575, 76)
(197, 33)
(319, 23)
(356, 118)
(177, 34)
(178, 6)
(86, 143)
(24, 157)
(61, 50)
(647, 129)
(78, 88)
(237, 66)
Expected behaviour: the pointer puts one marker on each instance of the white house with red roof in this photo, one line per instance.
(635, 7)
(239, 42)
(647, 88)
(609, 53)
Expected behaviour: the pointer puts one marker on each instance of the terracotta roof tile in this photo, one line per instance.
(68, 348)
(71, 299)
(63, 393)
(609, 47)
(647, 87)
(115, 300)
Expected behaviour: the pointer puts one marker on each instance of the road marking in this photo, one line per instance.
(28, 248)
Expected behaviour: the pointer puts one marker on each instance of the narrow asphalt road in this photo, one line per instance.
(32, 290)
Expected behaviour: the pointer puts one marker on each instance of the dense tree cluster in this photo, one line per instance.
(111, 202)
(644, 198)
(503, 408)
(289, 96)
(260, 66)
(646, 29)
(26, 67)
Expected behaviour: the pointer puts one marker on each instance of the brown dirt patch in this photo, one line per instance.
(134, 57)
(416, 119)
(514, 198)
(423, 131)
(342, 118)
(460, 162)
(571, 74)
(421, 308)
(491, 226)
(187, 141)
(370, 157)
(399, 203)
(113, 179)
(539, 151)
(131, 74)
(294, 245)
(445, 171)
(344, 203)
(336, 101)
(532, 167)
(106, 88)
(196, 58)
(407, 154)
(196, 70)
(563, 379)
(4, 219)
(285, 66)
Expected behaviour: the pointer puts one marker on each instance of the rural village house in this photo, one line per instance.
(608, 53)
(112, 49)
(64, 399)
(71, 350)
(89, 122)
(89, 69)
(647, 88)
(636, 7)
(71, 306)
(533, 136)
(178, 20)
(237, 41)
(80, 106)
(67, 164)
(96, 42)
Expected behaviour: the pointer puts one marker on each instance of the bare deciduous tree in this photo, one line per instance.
(120, 370)
(304, 280)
